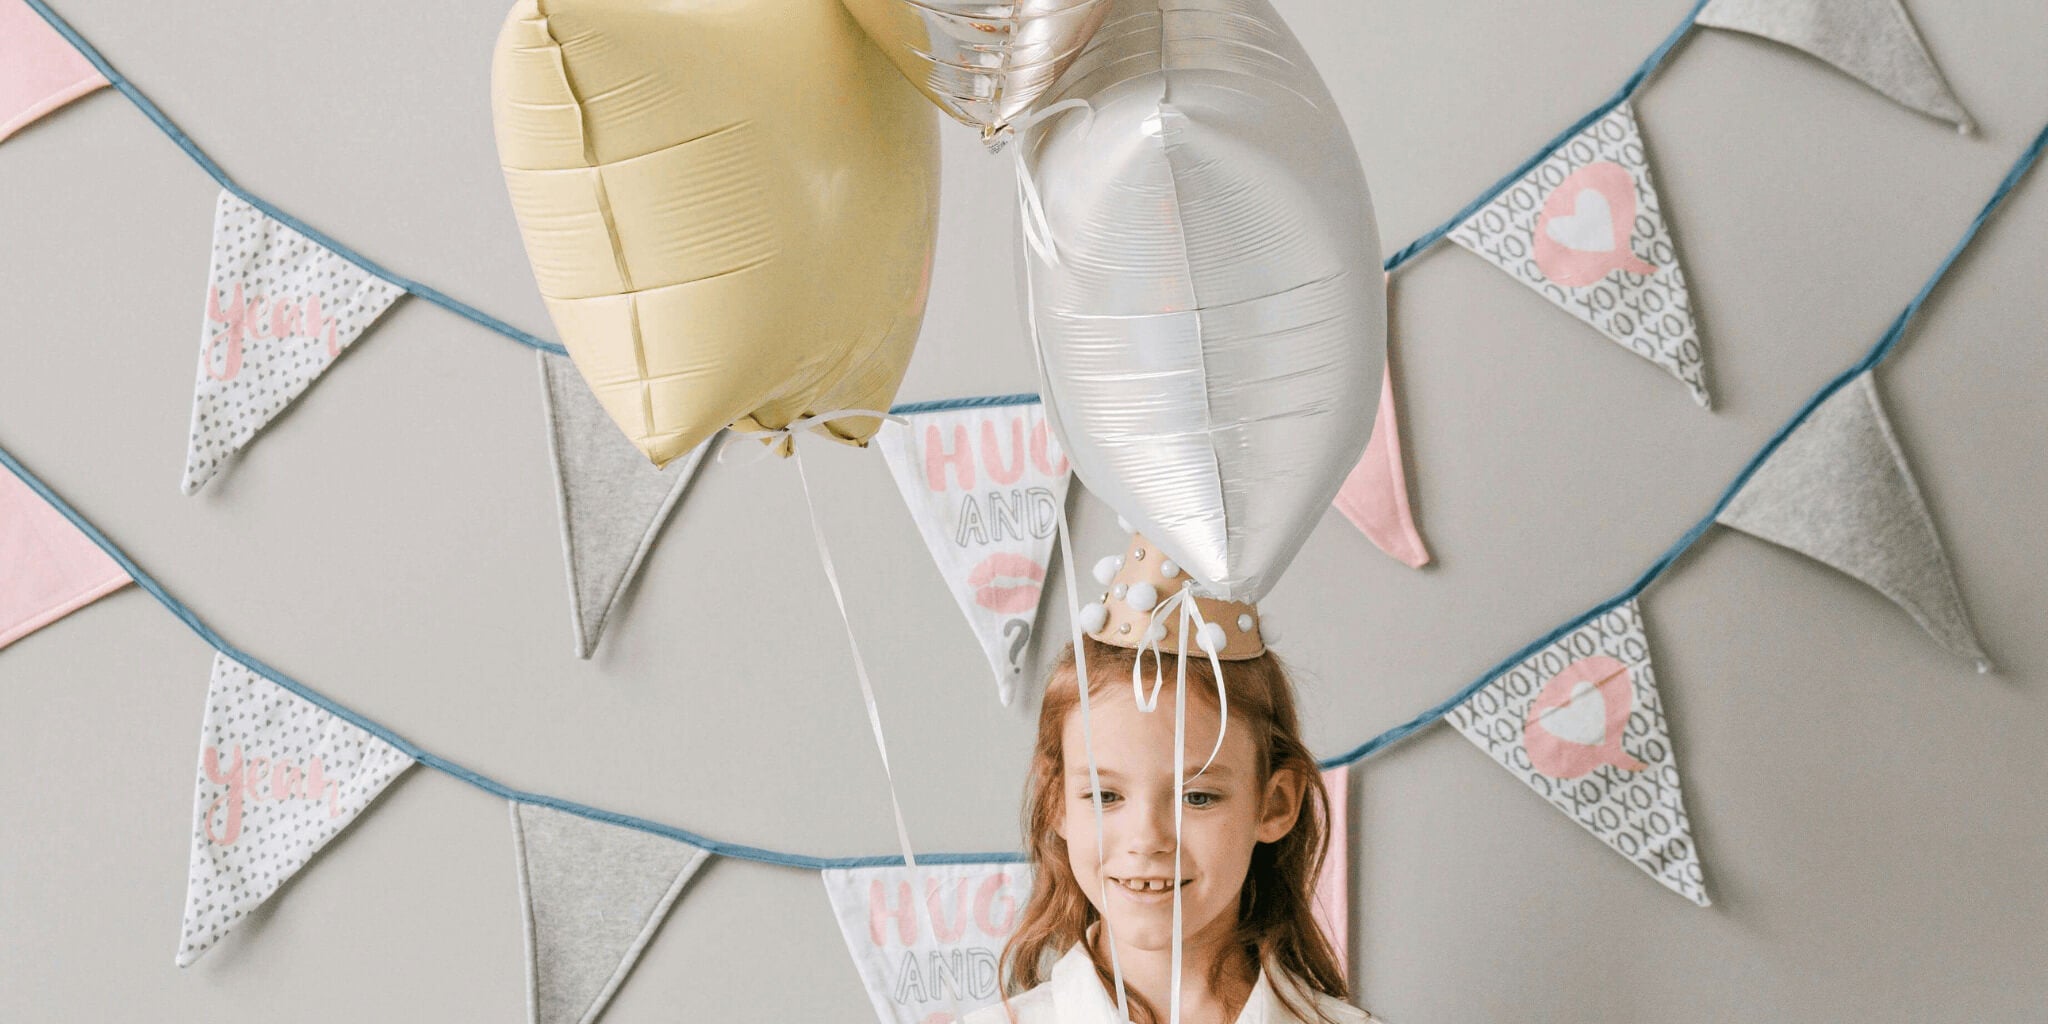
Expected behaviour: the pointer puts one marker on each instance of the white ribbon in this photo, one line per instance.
(919, 896)
(1030, 207)
(789, 432)
(1116, 969)
(1182, 601)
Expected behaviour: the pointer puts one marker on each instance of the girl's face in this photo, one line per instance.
(1228, 809)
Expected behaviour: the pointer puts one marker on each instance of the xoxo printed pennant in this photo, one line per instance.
(278, 777)
(280, 307)
(593, 894)
(1839, 491)
(1579, 721)
(1584, 228)
(985, 486)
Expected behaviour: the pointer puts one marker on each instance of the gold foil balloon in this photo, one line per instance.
(729, 205)
(982, 62)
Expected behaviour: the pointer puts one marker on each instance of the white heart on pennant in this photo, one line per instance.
(1581, 719)
(1590, 228)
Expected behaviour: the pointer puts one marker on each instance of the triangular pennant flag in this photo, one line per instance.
(1580, 722)
(985, 485)
(919, 964)
(1375, 494)
(280, 308)
(613, 502)
(1839, 491)
(1872, 41)
(593, 894)
(279, 776)
(48, 569)
(39, 70)
(1332, 907)
(1584, 228)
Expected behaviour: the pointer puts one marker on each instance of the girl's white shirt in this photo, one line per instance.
(1075, 995)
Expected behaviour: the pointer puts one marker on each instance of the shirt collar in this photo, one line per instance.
(1079, 997)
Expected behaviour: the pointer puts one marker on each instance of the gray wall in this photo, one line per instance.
(1868, 808)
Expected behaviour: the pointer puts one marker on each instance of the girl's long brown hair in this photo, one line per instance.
(1275, 925)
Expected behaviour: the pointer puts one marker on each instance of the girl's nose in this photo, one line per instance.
(1150, 827)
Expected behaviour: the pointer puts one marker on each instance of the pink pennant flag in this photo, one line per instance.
(39, 71)
(1332, 907)
(1375, 496)
(47, 568)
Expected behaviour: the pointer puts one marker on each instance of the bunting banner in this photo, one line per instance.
(280, 308)
(48, 567)
(1375, 493)
(278, 777)
(591, 894)
(1839, 491)
(1579, 721)
(985, 484)
(39, 70)
(1584, 229)
(612, 501)
(1872, 41)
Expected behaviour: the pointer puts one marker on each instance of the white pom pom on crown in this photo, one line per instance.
(1156, 633)
(1106, 567)
(1093, 617)
(1141, 597)
(1168, 569)
(1245, 623)
(1267, 634)
(1211, 637)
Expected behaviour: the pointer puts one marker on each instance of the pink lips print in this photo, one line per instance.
(1007, 583)
(1583, 232)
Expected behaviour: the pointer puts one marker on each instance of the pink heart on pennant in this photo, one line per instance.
(1576, 722)
(1583, 232)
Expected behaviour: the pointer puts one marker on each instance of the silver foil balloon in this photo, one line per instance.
(983, 62)
(1203, 282)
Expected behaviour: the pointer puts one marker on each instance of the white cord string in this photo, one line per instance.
(1116, 969)
(920, 899)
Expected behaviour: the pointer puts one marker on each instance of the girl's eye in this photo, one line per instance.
(1199, 799)
(1108, 797)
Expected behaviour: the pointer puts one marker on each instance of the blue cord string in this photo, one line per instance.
(214, 170)
(1378, 743)
(1628, 88)
(740, 851)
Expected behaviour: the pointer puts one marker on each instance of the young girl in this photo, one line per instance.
(1252, 834)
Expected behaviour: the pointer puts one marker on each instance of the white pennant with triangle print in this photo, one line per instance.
(280, 308)
(985, 485)
(1585, 229)
(279, 776)
(1579, 721)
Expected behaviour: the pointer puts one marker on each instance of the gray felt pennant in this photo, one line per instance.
(1839, 490)
(593, 894)
(1872, 41)
(613, 502)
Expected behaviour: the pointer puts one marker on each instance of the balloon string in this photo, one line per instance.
(1081, 680)
(919, 896)
(786, 434)
(1031, 206)
(1190, 614)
